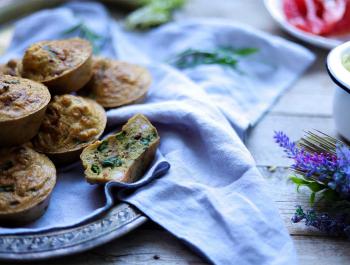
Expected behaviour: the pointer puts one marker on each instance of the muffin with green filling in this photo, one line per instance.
(122, 157)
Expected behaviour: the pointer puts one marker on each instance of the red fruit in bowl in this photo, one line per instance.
(315, 16)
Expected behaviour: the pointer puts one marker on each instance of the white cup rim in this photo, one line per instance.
(336, 70)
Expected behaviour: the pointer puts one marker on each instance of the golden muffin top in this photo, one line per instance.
(20, 97)
(47, 60)
(115, 83)
(70, 122)
(27, 178)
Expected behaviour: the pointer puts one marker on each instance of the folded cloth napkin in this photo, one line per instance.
(213, 198)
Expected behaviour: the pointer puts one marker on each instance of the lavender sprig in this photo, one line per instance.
(341, 179)
(337, 225)
(322, 162)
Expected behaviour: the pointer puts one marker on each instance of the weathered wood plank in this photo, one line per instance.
(284, 193)
(312, 246)
(322, 250)
(310, 95)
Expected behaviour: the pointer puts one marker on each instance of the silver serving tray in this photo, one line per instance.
(115, 223)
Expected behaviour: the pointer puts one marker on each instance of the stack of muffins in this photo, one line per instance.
(52, 106)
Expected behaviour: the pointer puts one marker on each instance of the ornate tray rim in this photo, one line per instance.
(118, 221)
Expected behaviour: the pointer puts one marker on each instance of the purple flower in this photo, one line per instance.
(331, 170)
(336, 225)
(324, 164)
(341, 178)
(290, 148)
(312, 164)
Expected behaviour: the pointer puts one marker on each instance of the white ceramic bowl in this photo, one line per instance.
(275, 9)
(341, 77)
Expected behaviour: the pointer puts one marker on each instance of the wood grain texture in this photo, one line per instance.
(311, 95)
(306, 105)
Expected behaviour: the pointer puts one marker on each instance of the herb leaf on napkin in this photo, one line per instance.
(83, 31)
(226, 56)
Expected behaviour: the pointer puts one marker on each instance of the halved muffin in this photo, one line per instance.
(115, 83)
(62, 65)
(123, 157)
(26, 182)
(70, 124)
(12, 67)
(22, 108)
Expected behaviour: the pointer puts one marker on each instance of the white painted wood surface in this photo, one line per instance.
(307, 105)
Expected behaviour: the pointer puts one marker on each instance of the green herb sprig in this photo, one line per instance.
(112, 162)
(225, 56)
(153, 13)
(83, 31)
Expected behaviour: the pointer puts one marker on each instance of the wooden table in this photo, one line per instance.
(307, 105)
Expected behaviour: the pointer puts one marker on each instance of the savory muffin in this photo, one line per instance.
(22, 107)
(70, 124)
(26, 182)
(12, 67)
(116, 83)
(123, 157)
(62, 65)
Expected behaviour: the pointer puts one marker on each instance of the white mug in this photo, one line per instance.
(341, 77)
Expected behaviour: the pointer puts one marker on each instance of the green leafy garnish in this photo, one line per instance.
(112, 162)
(153, 13)
(102, 146)
(146, 140)
(120, 136)
(96, 169)
(83, 31)
(314, 186)
(222, 56)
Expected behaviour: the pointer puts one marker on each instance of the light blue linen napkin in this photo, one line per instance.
(213, 197)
